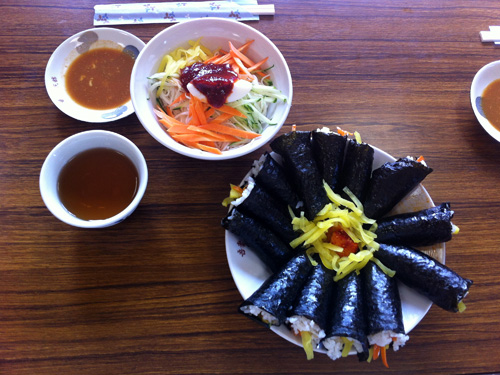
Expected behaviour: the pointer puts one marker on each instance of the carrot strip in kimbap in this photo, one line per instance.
(255, 201)
(357, 168)
(384, 317)
(296, 150)
(426, 275)
(391, 182)
(308, 317)
(270, 303)
(347, 325)
(264, 242)
(267, 172)
(422, 228)
(329, 149)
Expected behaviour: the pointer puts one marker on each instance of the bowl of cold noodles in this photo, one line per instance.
(211, 88)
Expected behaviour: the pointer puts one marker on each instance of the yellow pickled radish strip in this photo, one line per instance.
(307, 344)
(347, 346)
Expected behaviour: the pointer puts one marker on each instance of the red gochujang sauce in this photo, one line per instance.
(100, 78)
(215, 81)
(97, 184)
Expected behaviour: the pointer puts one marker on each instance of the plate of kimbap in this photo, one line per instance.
(336, 245)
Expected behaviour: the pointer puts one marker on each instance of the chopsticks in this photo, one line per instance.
(260, 10)
(493, 35)
(171, 12)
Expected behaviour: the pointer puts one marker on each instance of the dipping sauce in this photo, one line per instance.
(490, 103)
(215, 81)
(100, 78)
(98, 184)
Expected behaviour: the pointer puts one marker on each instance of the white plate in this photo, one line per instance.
(69, 50)
(249, 272)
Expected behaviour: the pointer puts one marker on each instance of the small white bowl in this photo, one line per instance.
(68, 51)
(74, 145)
(482, 79)
(215, 33)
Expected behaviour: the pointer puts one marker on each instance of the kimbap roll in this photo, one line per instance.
(329, 149)
(426, 275)
(268, 173)
(270, 303)
(357, 169)
(256, 202)
(296, 150)
(263, 241)
(384, 317)
(347, 325)
(308, 317)
(392, 182)
(421, 228)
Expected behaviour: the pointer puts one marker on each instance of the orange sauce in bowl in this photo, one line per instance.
(490, 103)
(100, 78)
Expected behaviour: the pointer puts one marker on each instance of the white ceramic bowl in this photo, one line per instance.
(72, 146)
(215, 33)
(482, 79)
(68, 51)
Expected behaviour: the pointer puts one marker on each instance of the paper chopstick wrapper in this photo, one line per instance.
(172, 12)
(493, 35)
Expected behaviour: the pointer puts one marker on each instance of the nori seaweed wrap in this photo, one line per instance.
(310, 310)
(357, 169)
(264, 242)
(268, 173)
(421, 228)
(426, 275)
(391, 183)
(329, 149)
(270, 303)
(384, 317)
(347, 318)
(296, 150)
(256, 202)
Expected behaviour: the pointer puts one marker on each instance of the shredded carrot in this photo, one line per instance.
(222, 118)
(230, 130)
(215, 136)
(179, 99)
(343, 132)
(236, 53)
(421, 159)
(211, 149)
(376, 351)
(242, 67)
(384, 356)
(239, 189)
(257, 65)
(232, 111)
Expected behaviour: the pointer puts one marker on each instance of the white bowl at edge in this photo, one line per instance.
(487, 74)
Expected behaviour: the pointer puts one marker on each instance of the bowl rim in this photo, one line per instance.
(55, 69)
(164, 139)
(479, 83)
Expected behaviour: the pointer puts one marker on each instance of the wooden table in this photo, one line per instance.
(154, 294)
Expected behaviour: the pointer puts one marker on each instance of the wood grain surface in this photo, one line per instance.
(154, 294)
